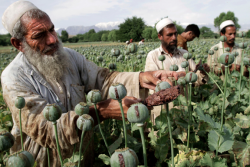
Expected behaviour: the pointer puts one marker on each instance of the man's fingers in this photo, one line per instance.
(169, 81)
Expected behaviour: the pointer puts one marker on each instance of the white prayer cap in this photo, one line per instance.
(163, 23)
(127, 42)
(226, 23)
(15, 12)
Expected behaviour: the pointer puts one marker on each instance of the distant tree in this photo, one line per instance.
(248, 34)
(105, 37)
(206, 32)
(179, 28)
(112, 35)
(131, 29)
(147, 32)
(226, 16)
(64, 36)
(73, 39)
(154, 35)
(5, 39)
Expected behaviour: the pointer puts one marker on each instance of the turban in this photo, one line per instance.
(14, 12)
(226, 23)
(163, 23)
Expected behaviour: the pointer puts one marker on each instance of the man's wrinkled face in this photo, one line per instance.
(230, 34)
(41, 35)
(169, 38)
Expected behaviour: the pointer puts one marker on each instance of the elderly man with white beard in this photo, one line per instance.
(44, 73)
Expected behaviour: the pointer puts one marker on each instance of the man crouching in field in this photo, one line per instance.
(167, 34)
(44, 73)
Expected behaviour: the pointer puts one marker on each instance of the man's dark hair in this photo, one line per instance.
(223, 30)
(194, 28)
(168, 26)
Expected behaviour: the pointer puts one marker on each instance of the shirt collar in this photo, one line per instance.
(163, 51)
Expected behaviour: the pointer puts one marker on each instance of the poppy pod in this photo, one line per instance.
(125, 157)
(94, 96)
(52, 112)
(117, 91)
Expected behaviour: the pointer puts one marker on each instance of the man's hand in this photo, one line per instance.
(234, 67)
(110, 108)
(150, 79)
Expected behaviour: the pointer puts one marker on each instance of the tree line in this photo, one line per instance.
(136, 29)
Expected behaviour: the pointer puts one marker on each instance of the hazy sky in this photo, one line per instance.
(66, 13)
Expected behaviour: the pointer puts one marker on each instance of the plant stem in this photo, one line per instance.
(214, 81)
(223, 107)
(170, 135)
(249, 85)
(189, 112)
(57, 143)
(162, 65)
(21, 132)
(140, 126)
(241, 73)
(99, 125)
(124, 123)
(48, 157)
(74, 146)
(80, 150)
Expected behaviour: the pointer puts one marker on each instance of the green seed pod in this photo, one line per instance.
(85, 122)
(210, 52)
(174, 68)
(115, 52)
(139, 56)
(227, 49)
(226, 59)
(6, 141)
(246, 61)
(243, 45)
(248, 139)
(223, 38)
(162, 85)
(94, 96)
(137, 113)
(117, 91)
(216, 109)
(216, 48)
(161, 57)
(125, 157)
(22, 159)
(19, 102)
(235, 54)
(211, 111)
(191, 77)
(205, 56)
(102, 53)
(132, 48)
(181, 81)
(81, 108)
(187, 56)
(52, 112)
(242, 34)
(100, 58)
(184, 64)
(112, 66)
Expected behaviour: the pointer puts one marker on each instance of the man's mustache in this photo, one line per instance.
(49, 48)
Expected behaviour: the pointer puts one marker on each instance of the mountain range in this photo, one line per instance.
(74, 30)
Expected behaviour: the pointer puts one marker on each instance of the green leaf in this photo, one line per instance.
(105, 159)
(242, 121)
(226, 140)
(161, 152)
(247, 111)
(206, 118)
(152, 137)
(213, 162)
(161, 122)
(133, 143)
(8, 124)
(183, 100)
(116, 144)
(242, 152)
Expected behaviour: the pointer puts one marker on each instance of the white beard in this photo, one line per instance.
(52, 67)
